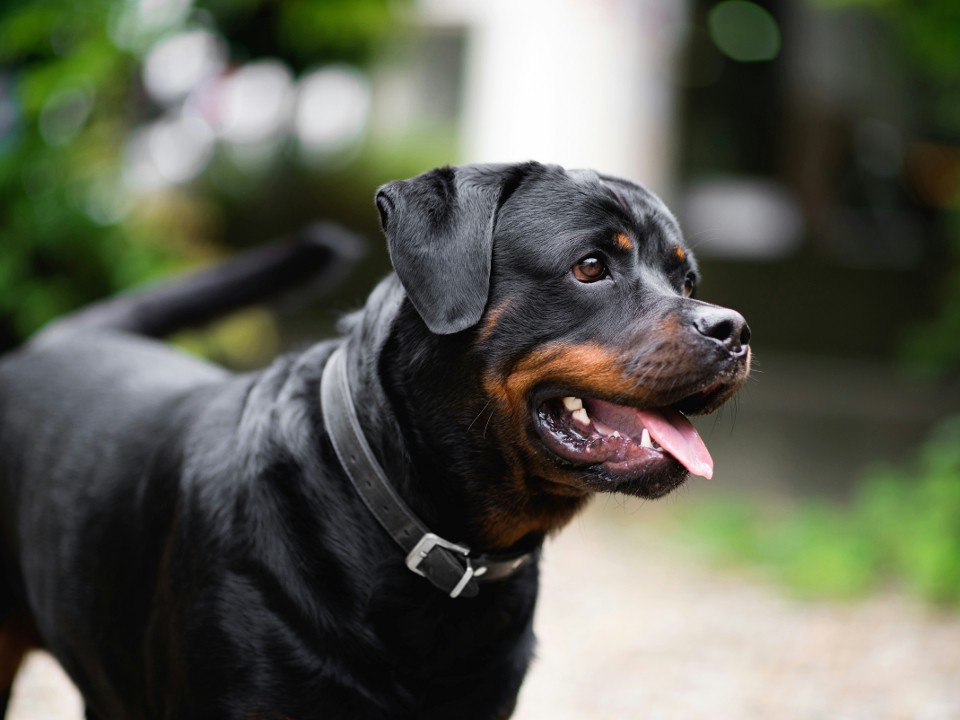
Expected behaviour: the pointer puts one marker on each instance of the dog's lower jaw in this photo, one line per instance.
(522, 510)
(650, 486)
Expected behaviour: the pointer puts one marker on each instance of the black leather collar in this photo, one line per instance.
(451, 567)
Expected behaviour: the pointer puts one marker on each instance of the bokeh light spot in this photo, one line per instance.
(744, 31)
(257, 100)
(179, 63)
(172, 150)
(332, 108)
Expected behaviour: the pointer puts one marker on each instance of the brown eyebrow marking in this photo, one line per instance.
(680, 253)
(622, 241)
(490, 322)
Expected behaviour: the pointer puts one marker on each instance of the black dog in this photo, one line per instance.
(195, 544)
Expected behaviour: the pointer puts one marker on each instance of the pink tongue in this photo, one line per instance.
(676, 434)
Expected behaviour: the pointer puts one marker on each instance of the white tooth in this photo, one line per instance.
(645, 439)
(581, 416)
(616, 433)
(572, 403)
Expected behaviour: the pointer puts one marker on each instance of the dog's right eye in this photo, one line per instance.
(590, 269)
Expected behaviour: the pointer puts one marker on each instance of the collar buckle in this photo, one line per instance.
(451, 567)
(430, 542)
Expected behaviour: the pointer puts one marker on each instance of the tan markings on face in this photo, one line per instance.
(524, 509)
(623, 242)
(527, 513)
(537, 495)
(596, 369)
(680, 253)
(489, 323)
(590, 365)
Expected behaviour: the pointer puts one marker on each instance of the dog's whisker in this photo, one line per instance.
(699, 239)
(485, 406)
(487, 424)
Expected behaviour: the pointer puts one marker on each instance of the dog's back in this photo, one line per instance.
(183, 541)
(70, 407)
(90, 409)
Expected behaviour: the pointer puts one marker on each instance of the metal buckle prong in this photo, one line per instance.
(467, 576)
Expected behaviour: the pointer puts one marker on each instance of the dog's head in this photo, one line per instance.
(572, 296)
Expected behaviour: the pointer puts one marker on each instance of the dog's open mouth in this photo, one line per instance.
(623, 440)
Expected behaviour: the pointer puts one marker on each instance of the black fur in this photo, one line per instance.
(184, 539)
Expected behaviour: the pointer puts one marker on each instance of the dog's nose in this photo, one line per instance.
(727, 327)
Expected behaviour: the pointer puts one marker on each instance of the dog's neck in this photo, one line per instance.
(369, 333)
(477, 503)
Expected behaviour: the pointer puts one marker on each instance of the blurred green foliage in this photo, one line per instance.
(70, 94)
(902, 527)
(932, 347)
(304, 32)
(927, 30)
(49, 185)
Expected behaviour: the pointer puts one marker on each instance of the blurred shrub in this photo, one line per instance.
(61, 90)
(245, 339)
(71, 95)
(932, 347)
(903, 526)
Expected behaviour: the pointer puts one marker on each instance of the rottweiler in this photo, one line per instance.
(354, 531)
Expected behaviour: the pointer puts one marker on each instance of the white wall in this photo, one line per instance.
(583, 83)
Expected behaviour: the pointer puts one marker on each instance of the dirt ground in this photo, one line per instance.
(631, 625)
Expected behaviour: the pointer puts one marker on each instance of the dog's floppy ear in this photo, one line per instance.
(439, 228)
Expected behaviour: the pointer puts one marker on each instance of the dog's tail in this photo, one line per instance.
(318, 255)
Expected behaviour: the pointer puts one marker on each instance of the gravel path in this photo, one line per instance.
(632, 626)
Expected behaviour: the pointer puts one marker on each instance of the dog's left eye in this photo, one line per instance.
(689, 285)
(590, 269)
